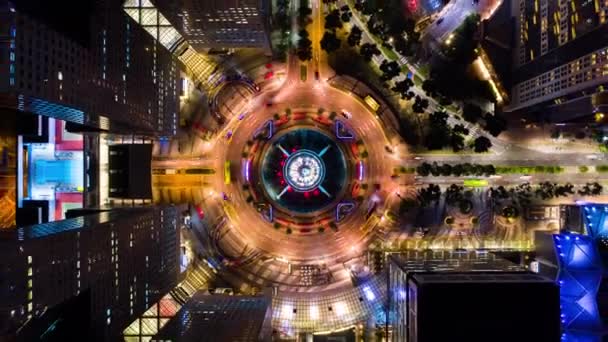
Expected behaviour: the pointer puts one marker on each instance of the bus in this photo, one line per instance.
(475, 183)
(227, 173)
(371, 102)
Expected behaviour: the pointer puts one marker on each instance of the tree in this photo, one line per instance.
(304, 13)
(460, 129)
(439, 134)
(482, 144)
(403, 87)
(424, 169)
(404, 46)
(345, 17)
(471, 112)
(429, 194)
(332, 20)
(390, 70)
(429, 87)
(304, 50)
(445, 170)
(330, 42)
(420, 105)
(453, 194)
(457, 141)
(489, 170)
(368, 51)
(495, 124)
(354, 37)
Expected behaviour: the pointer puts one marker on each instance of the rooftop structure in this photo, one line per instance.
(219, 23)
(208, 317)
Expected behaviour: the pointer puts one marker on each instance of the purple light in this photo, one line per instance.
(360, 170)
(247, 169)
(402, 294)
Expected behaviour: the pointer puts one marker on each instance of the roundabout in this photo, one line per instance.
(306, 181)
(303, 171)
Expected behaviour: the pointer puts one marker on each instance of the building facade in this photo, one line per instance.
(207, 317)
(121, 260)
(119, 79)
(402, 266)
(561, 57)
(220, 23)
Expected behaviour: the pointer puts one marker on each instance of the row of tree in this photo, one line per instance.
(466, 169)
(523, 193)
(516, 197)
(304, 47)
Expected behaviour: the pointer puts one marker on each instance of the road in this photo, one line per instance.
(265, 256)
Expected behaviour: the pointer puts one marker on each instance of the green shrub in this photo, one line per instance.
(583, 169)
(601, 168)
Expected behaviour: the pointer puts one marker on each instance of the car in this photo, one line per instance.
(242, 116)
(229, 135)
(439, 21)
(200, 212)
(346, 114)
(316, 75)
(268, 104)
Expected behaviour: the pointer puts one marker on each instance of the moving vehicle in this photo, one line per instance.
(200, 212)
(346, 114)
(227, 177)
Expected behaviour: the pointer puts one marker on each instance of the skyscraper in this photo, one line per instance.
(116, 78)
(90, 75)
(121, 260)
(208, 317)
(561, 58)
(219, 23)
(433, 289)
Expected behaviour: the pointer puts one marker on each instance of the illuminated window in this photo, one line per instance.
(314, 312)
(341, 309)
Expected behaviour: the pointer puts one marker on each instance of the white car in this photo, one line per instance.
(346, 114)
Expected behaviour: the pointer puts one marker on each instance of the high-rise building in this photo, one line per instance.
(560, 59)
(219, 23)
(207, 317)
(468, 296)
(117, 263)
(115, 78)
(66, 81)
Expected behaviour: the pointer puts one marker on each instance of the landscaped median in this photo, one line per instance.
(529, 169)
(601, 168)
(434, 169)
